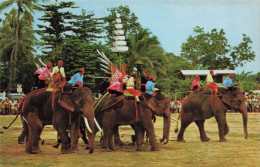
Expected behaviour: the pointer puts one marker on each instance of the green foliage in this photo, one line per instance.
(211, 50)
(7, 46)
(53, 32)
(246, 81)
(86, 27)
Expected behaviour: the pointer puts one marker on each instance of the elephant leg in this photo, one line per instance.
(226, 129)
(139, 136)
(32, 146)
(203, 136)
(222, 125)
(107, 128)
(147, 123)
(65, 141)
(74, 131)
(166, 128)
(117, 139)
(24, 134)
(184, 124)
(110, 140)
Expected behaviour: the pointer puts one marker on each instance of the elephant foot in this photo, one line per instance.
(205, 139)
(106, 150)
(74, 150)
(65, 150)
(181, 140)
(112, 148)
(119, 143)
(139, 149)
(154, 149)
(223, 140)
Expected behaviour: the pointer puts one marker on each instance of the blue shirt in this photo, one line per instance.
(150, 86)
(228, 82)
(76, 78)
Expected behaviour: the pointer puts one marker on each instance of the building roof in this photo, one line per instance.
(205, 72)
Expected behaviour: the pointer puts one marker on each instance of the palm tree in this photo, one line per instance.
(25, 8)
(146, 53)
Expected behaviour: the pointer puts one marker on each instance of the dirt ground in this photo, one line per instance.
(236, 152)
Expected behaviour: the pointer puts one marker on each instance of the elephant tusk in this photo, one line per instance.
(87, 125)
(97, 125)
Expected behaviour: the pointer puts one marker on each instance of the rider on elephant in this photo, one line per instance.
(228, 83)
(116, 88)
(77, 79)
(58, 76)
(150, 86)
(130, 86)
(196, 83)
(144, 80)
(210, 81)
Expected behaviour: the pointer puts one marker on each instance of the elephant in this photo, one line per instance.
(200, 106)
(114, 111)
(159, 106)
(67, 107)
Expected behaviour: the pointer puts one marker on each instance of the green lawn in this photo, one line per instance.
(236, 152)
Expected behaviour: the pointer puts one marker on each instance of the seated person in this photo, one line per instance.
(116, 87)
(77, 79)
(210, 81)
(130, 86)
(196, 83)
(228, 83)
(150, 86)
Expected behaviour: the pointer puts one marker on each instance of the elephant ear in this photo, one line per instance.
(226, 98)
(66, 102)
(152, 104)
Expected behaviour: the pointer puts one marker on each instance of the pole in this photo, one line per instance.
(119, 55)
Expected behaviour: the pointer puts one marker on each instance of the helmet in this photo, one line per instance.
(49, 64)
(231, 75)
(211, 71)
(151, 78)
(82, 70)
(134, 74)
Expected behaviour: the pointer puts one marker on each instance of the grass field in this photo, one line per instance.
(236, 152)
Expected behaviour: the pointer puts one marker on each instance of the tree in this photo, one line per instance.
(211, 50)
(25, 7)
(7, 46)
(86, 27)
(54, 32)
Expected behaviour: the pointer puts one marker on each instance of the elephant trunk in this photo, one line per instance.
(244, 115)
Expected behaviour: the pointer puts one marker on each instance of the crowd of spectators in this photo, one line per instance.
(252, 102)
(9, 107)
(175, 104)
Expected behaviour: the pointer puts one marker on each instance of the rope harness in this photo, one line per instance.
(212, 107)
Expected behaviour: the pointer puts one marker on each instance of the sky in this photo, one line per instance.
(172, 21)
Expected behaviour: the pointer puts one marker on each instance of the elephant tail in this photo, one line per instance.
(177, 121)
(6, 127)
